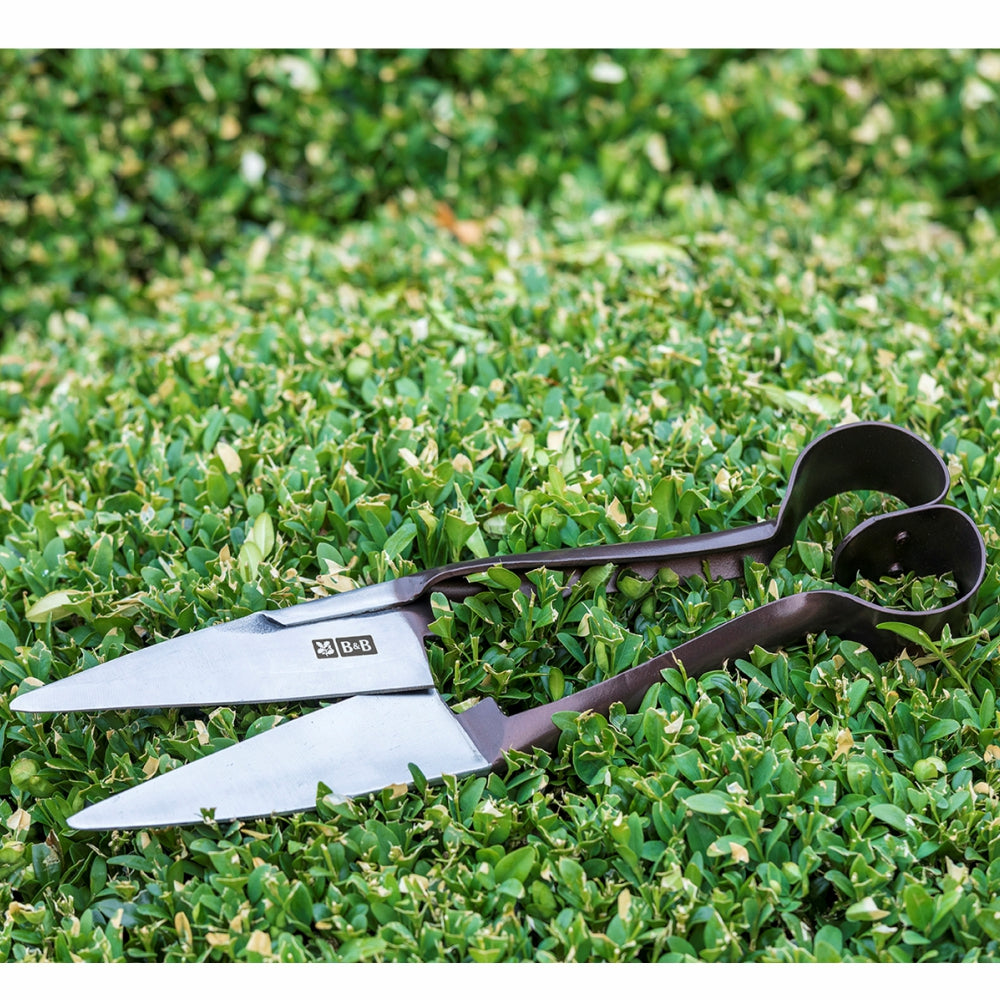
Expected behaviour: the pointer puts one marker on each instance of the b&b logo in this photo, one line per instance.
(348, 645)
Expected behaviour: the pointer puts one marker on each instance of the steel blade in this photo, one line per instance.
(357, 746)
(249, 661)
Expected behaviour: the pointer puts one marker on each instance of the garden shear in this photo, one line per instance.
(366, 647)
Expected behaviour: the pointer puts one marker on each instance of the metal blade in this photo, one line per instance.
(252, 660)
(357, 746)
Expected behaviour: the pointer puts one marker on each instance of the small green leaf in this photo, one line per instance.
(399, 541)
(46, 863)
(8, 641)
(557, 683)
(23, 770)
(60, 604)
(505, 578)
(866, 910)
(101, 558)
(458, 530)
(633, 588)
(856, 694)
(218, 485)
(707, 802)
(811, 555)
(516, 865)
(262, 534)
(893, 815)
(919, 906)
(249, 560)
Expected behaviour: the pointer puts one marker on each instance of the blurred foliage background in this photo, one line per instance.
(115, 165)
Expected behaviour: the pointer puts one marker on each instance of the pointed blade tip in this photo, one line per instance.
(43, 699)
(100, 817)
(26, 702)
(331, 746)
(87, 818)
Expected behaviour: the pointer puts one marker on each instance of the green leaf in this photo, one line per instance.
(60, 604)
(504, 578)
(708, 802)
(458, 529)
(249, 559)
(101, 558)
(23, 770)
(856, 693)
(989, 921)
(557, 683)
(812, 556)
(262, 534)
(893, 815)
(828, 944)
(516, 865)
(919, 906)
(46, 863)
(219, 486)
(8, 641)
(910, 633)
(400, 540)
(944, 727)
(866, 910)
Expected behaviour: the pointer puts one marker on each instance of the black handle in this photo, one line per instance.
(862, 456)
(867, 455)
(958, 548)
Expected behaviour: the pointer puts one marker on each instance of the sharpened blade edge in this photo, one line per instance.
(355, 747)
(252, 661)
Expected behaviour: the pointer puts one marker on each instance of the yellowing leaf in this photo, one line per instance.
(616, 512)
(927, 388)
(555, 439)
(992, 753)
(739, 853)
(229, 456)
(19, 820)
(467, 231)
(674, 726)
(724, 481)
(259, 943)
(845, 741)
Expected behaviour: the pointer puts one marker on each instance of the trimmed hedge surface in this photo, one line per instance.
(309, 415)
(634, 338)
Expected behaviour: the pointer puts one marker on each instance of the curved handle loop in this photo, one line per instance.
(928, 539)
(944, 539)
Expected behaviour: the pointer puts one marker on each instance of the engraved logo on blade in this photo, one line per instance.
(348, 645)
(357, 645)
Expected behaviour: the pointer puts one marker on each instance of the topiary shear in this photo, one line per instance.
(366, 647)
